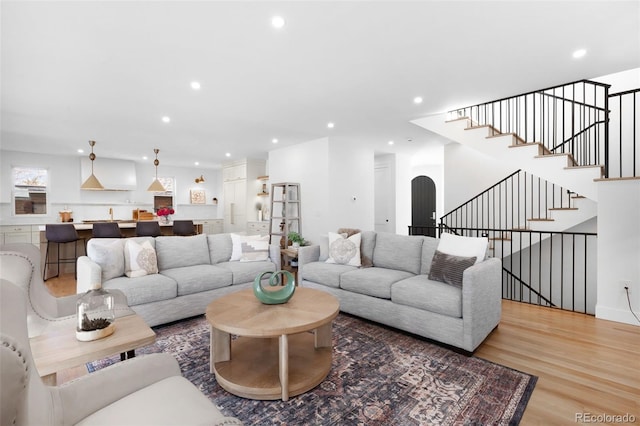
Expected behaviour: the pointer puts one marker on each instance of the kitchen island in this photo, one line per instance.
(85, 229)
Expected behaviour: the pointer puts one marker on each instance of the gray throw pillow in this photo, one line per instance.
(448, 269)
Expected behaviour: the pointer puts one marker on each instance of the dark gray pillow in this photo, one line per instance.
(448, 269)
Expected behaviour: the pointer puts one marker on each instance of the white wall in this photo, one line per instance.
(621, 81)
(65, 181)
(351, 174)
(468, 172)
(307, 164)
(330, 173)
(618, 249)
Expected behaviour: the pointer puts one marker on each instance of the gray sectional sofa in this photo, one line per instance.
(396, 290)
(192, 271)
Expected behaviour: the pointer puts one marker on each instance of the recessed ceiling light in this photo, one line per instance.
(80, 151)
(277, 21)
(390, 142)
(228, 154)
(274, 140)
(195, 85)
(330, 125)
(579, 53)
(166, 119)
(144, 157)
(196, 163)
(417, 100)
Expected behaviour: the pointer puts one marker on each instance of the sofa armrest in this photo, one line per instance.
(306, 255)
(481, 300)
(274, 255)
(112, 383)
(89, 272)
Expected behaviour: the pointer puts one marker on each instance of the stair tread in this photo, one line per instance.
(585, 167)
(519, 140)
(494, 131)
(541, 219)
(570, 158)
(457, 119)
(520, 145)
(603, 179)
(563, 208)
(559, 154)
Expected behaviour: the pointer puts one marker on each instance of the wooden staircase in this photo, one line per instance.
(561, 169)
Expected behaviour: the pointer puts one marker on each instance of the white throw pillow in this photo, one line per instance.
(109, 255)
(460, 246)
(249, 248)
(344, 251)
(139, 259)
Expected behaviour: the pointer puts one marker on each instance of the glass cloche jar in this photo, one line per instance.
(96, 314)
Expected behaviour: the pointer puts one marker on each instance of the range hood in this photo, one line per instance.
(114, 175)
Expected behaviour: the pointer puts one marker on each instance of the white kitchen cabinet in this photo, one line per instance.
(20, 234)
(235, 205)
(258, 228)
(241, 187)
(212, 226)
(234, 171)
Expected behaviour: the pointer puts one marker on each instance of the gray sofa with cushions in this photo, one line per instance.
(396, 290)
(192, 271)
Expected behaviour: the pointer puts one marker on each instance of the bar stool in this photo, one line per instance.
(106, 230)
(61, 234)
(149, 228)
(183, 227)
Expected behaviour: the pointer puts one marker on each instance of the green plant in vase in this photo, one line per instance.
(296, 239)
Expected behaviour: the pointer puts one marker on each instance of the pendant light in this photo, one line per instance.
(156, 186)
(92, 183)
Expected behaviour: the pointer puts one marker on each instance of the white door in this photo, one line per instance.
(384, 220)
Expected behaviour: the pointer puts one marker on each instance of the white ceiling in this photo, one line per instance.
(108, 71)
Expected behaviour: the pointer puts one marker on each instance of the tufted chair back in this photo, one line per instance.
(20, 264)
(20, 384)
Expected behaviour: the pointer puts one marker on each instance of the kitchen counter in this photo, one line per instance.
(122, 224)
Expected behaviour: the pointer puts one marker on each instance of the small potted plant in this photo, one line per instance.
(296, 239)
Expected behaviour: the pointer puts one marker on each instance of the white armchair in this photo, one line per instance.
(147, 390)
(20, 264)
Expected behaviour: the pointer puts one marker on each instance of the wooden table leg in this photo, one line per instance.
(284, 366)
(50, 379)
(323, 336)
(220, 347)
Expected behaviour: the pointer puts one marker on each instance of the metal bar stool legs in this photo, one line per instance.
(61, 234)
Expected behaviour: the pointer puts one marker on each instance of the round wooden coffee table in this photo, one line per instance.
(281, 350)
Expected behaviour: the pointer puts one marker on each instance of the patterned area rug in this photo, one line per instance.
(379, 376)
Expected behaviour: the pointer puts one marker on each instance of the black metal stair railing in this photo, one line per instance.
(624, 153)
(552, 269)
(501, 213)
(567, 119)
(510, 204)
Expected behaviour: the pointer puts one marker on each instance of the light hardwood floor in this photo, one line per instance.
(584, 365)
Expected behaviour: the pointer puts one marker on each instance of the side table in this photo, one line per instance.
(59, 350)
(287, 255)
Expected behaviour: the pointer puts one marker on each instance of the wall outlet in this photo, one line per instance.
(627, 284)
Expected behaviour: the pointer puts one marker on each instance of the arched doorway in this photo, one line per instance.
(423, 206)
